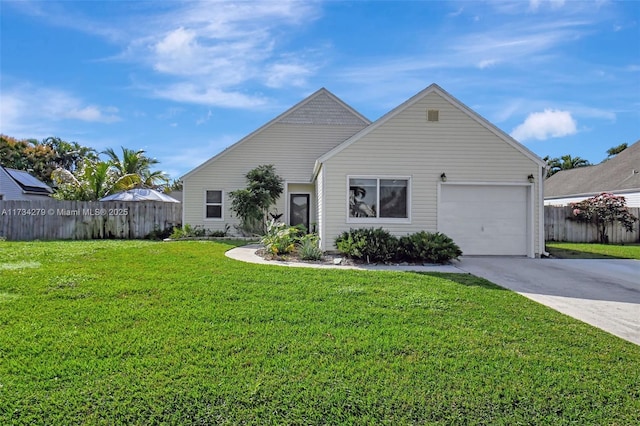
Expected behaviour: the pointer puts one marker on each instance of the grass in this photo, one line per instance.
(116, 332)
(593, 251)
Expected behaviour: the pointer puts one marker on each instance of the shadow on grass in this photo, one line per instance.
(559, 253)
(468, 280)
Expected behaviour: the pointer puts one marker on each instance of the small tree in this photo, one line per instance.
(252, 203)
(603, 210)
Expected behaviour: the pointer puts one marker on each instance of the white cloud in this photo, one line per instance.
(456, 13)
(191, 156)
(544, 125)
(487, 63)
(517, 42)
(178, 47)
(204, 119)
(507, 110)
(555, 4)
(93, 113)
(26, 109)
(210, 49)
(282, 74)
(210, 96)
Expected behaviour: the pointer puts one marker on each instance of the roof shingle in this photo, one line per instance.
(622, 172)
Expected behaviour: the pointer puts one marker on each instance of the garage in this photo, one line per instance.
(486, 219)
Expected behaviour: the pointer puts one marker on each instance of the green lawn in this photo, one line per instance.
(593, 251)
(113, 332)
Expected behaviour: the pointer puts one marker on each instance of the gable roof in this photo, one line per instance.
(320, 108)
(28, 183)
(620, 173)
(433, 88)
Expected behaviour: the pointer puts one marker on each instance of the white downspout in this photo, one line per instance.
(541, 240)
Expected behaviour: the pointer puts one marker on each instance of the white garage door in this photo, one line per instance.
(485, 219)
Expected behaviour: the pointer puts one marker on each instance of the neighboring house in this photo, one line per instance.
(430, 164)
(140, 194)
(619, 175)
(21, 186)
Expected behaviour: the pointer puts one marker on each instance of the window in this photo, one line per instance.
(213, 205)
(379, 198)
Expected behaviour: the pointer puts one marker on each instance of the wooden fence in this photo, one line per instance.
(84, 220)
(558, 226)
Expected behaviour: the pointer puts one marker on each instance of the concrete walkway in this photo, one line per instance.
(248, 254)
(602, 292)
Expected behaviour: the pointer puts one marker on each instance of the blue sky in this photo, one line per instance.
(184, 79)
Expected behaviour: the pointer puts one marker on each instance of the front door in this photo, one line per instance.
(299, 210)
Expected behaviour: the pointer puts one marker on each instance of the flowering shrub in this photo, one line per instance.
(603, 210)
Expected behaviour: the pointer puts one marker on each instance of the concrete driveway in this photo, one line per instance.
(601, 292)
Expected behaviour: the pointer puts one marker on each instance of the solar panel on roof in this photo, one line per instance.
(25, 179)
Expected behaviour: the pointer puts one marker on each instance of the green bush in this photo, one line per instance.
(368, 244)
(428, 247)
(378, 245)
(159, 233)
(219, 233)
(280, 238)
(308, 248)
(188, 231)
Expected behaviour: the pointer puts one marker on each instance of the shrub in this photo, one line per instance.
(220, 233)
(371, 245)
(279, 238)
(188, 231)
(178, 232)
(428, 247)
(308, 248)
(159, 233)
(603, 210)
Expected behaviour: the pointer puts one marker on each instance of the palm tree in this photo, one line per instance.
(612, 152)
(134, 168)
(69, 155)
(565, 162)
(569, 162)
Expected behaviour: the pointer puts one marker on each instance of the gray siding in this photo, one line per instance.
(10, 190)
(407, 145)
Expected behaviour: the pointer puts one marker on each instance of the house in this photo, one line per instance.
(140, 194)
(429, 164)
(619, 175)
(21, 186)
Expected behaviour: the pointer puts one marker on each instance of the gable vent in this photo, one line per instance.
(433, 115)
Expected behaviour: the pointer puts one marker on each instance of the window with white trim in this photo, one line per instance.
(378, 198)
(213, 204)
